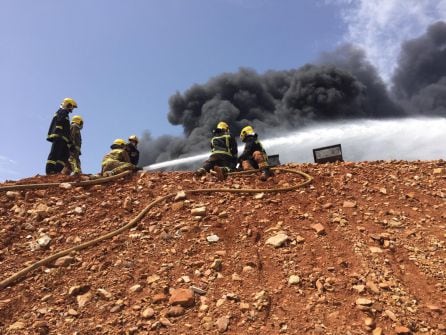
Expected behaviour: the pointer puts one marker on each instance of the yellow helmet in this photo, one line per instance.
(223, 126)
(68, 103)
(133, 138)
(119, 141)
(78, 120)
(248, 130)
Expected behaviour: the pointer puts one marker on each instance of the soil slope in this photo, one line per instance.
(361, 250)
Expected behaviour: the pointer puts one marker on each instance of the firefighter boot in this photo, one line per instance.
(222, 173)
(266, 173)
(200, 172)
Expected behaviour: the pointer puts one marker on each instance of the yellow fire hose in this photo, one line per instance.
(8, 281)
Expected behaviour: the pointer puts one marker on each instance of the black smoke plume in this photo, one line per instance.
(420, 78)
(340, 85)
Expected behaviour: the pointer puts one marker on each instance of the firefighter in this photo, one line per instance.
(253, 155)
(59, 136)
(74, 163)
(117, 160)
(223, 158)
(132, 149)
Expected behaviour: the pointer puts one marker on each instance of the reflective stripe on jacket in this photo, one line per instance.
(60, 126)
(224, 144)
(119, 155)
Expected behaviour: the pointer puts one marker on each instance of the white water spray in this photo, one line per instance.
(361, 140)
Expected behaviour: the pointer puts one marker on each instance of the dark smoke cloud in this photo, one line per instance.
(342, 85)
(420, 78)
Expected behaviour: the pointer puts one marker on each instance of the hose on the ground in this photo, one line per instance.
(102, 180)
(11, 279)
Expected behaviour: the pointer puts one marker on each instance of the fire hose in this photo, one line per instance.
(11, 279)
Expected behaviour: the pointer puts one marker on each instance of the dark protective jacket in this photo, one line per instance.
(251, 144)
(116, 154)
(60, 126)
(224, 144)
(76, 138)
(133, 153)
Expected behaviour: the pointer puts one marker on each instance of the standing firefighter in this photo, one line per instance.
(74, 162)
(132, 149)
(59, 136)
(254, 156)
(223, 156)
(117, 160)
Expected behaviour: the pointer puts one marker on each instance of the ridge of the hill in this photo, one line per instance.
(362, 250)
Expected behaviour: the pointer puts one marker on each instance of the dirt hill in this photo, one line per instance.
(361, 250)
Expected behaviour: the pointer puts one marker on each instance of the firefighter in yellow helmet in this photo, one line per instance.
(59, 136)
(223, 158)
(117, 160)
(74, 163)
(132, 149)
(253, 155)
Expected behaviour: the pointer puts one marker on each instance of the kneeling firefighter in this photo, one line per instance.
(223, 156)
(253, 155)
(117, 160)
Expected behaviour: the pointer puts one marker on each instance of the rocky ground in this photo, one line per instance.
(362, 250)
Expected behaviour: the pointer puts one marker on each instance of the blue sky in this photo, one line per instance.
(122, 60)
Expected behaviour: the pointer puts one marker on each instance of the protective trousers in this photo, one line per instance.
(116, 167)
(257, 160)
(58, 156)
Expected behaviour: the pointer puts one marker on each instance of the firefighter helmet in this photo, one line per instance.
(133, 138)
(223, 126)
(68, 103)
(119, 141)
(248, 130)
(78, 120)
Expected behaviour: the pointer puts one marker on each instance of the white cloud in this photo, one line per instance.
(7, 168)
(380, 26)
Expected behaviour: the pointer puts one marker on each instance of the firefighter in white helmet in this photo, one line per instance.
(223, 156)
(132, 149)
(253, 155)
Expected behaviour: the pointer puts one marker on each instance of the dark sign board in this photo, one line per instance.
(273, 160)
(332, 153)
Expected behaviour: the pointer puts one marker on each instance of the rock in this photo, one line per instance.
(83, 299)
(391, 315)
(152, 279)
(375, 250)
(402, 330)
(199, 211)
(198, 290)
(79, 210)
(364, 302)
(159, 298)
(72, 312)
(18, 325)
(349, 204)
(320, 229)
(127, 205)
(63, 261)
(183, 297)
(104, 294)
(259, 196)
(176, 206)
(65, 186)
(148, 313)
(175, 311)
(212, 238)
(372, 287)
(78, 290)
(244, 306)
(438, 171)
(217, 265)
(180, 196)
(44, 241)
(135, 288)
(222, 324)
(12, 194)
(277, 240)
(165, 322)
(294, 280)
(41, 327)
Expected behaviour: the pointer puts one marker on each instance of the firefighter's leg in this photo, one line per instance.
(262, 160)
(247, 165)
(52, 166)
(123, 166)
